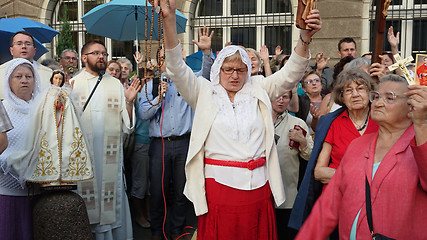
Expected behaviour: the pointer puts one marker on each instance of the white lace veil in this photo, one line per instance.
(12, 99)
(20, 114)
(237, 117)
(226, 52)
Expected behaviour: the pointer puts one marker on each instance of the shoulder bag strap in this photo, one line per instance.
(368, 205)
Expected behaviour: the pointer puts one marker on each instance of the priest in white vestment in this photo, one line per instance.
(107, 116)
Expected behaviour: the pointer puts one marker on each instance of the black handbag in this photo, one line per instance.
(375, 236)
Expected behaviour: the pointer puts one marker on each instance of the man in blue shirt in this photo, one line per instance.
(171, 118)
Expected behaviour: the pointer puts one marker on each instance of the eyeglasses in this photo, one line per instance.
(310, 81)
(388, 97)
(26, 44)
(230, 71)
(96, 54)
(72, 58)
(359, 89)
(283, 98)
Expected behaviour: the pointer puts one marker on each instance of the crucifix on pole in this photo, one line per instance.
(401, 63)
(379, 28)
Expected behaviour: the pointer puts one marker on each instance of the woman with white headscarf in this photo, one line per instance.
(21, 88)
(232, 168)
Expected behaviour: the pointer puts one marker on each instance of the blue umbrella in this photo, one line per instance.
(124, 20)
(40, 31)
(6, 33)
(195, 61)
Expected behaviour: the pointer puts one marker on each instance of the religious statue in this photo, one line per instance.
(57, 154)
(304, 8)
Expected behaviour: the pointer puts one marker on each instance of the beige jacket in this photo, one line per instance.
(197, 92)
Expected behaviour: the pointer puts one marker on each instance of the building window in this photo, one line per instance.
(249, 23)
(409, 17)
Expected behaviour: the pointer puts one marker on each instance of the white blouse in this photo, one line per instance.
(228, 144)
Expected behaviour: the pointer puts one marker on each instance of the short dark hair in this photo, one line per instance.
(90, 43)
(21, 32)
(346, 40)
(58, 72)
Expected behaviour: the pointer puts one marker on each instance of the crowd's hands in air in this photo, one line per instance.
(205, 39)
(321, 62)
(417, 99)
(393, 39)
(314, 23)
(131, 91)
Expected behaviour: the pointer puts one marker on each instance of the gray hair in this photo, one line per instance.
(394, 78)
(68, 50)
(127, 61)
(50, 63)
(359, 62)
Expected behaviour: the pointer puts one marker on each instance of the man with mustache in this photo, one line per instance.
(107, 116)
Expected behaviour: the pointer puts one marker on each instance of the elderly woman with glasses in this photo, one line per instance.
(335, 131)
(232, 169)
(390, 164)
(352, 92)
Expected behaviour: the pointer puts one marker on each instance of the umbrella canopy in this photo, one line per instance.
(195, 61)
(40, 31)
(6, 33)
(124, 20)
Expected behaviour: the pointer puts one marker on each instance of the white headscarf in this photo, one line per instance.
(240, 114)
(227, 52)
(17, 103)
(19, 112)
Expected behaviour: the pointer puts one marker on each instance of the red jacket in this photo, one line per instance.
(398, 193)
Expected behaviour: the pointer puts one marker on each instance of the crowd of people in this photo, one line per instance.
(260, 148)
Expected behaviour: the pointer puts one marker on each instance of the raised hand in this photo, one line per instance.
(263, 52)
(314, 22)
(278, 51)
(132, 90)
(393, 39)
(168, 7)
(138, 58)
(417, 99)
(205, 39)
(321, 61)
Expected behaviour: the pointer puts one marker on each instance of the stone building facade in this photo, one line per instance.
(341, 18)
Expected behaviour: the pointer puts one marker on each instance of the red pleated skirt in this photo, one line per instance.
(237, 214)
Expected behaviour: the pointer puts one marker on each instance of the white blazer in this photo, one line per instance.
(197, 92)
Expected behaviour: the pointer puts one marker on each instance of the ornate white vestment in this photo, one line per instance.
(103, 121)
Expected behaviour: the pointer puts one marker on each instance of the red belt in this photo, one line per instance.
(251, 164)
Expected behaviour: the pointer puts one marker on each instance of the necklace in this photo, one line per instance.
(364, 124)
